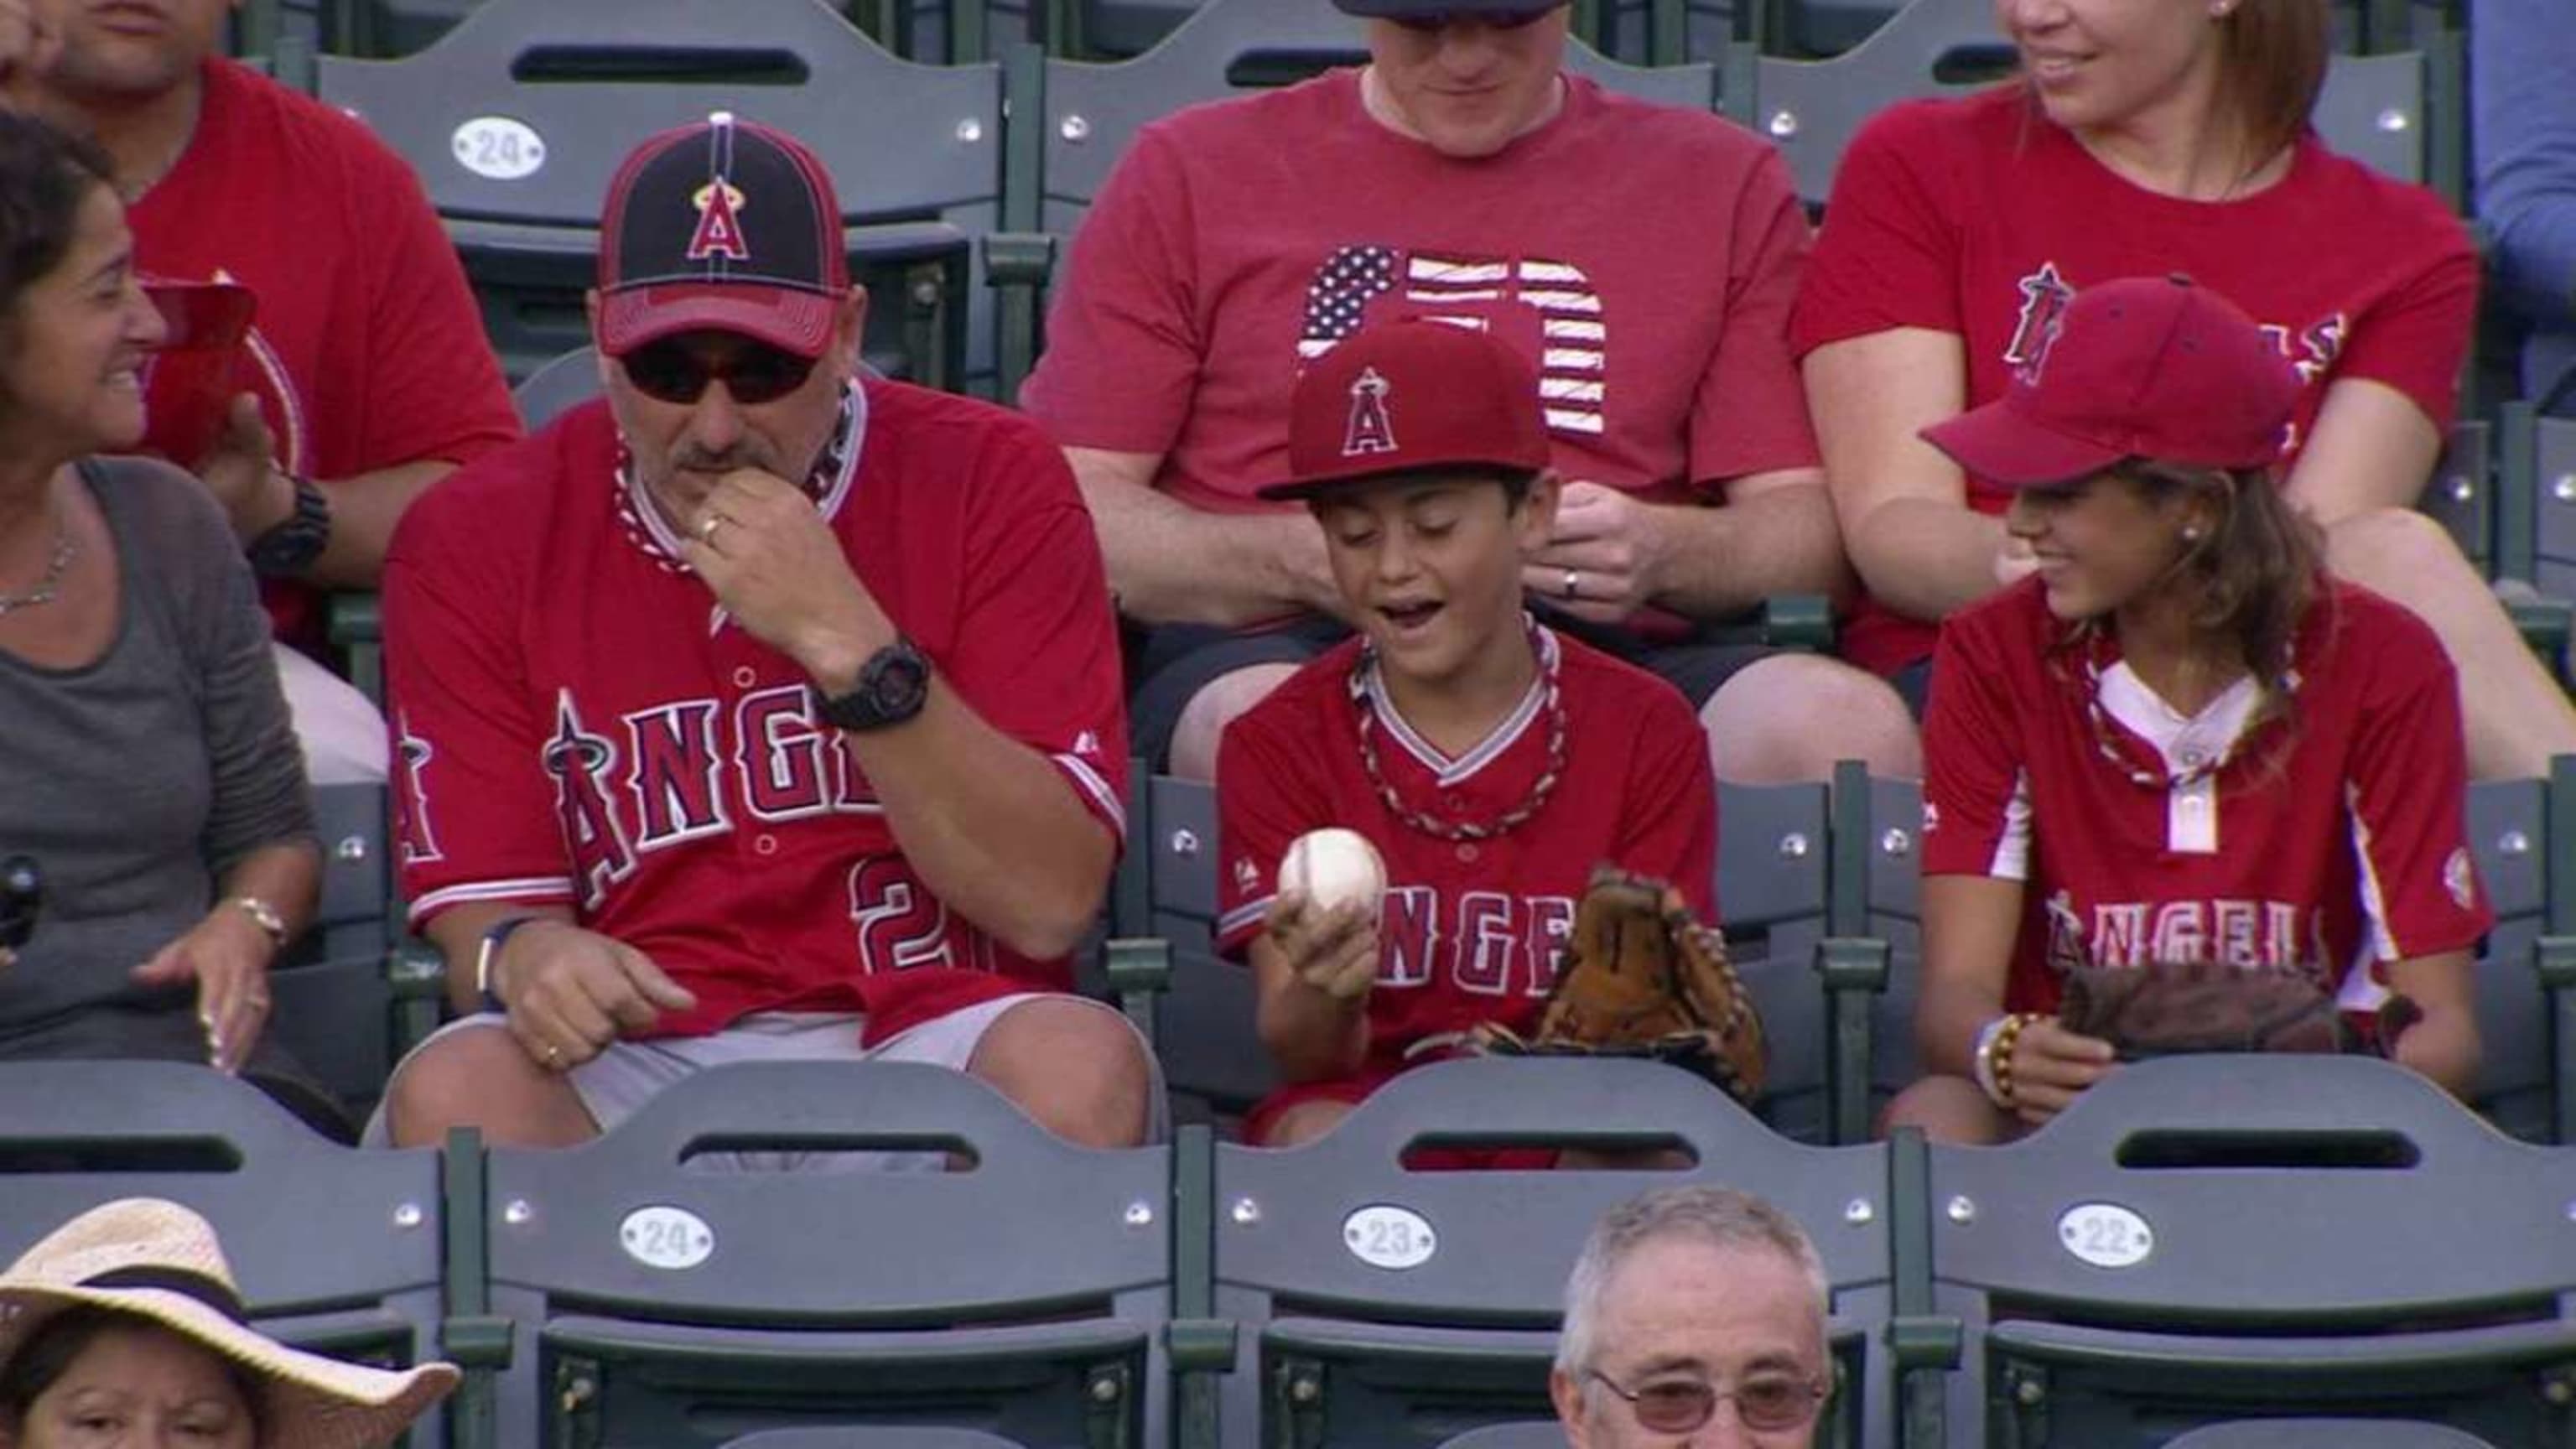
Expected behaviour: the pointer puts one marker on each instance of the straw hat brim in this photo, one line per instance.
(312, 1401)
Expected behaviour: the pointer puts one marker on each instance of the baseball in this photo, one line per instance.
(1333, 865)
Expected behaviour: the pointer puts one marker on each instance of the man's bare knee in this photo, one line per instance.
(1204, 718)
(481, 1078)
(1792, 716)
(1074, 1066)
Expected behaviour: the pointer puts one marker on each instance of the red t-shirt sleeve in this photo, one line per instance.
(2409, 777)
(433, 387)
(1976, 817)
(1668, 820)
(1750, 413)
(2417, 337)
(1123, 346)
(1036, 647)
(1889, 253)
(473, 803)
(1265, 799)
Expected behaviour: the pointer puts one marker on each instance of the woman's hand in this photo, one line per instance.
(227, 955)
(1333, 950)
(2051, 1066)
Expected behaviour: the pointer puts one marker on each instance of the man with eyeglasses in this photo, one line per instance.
(1697, 1312)
(1641, 258)
(757, 710)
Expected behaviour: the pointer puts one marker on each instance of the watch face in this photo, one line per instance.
(890, 690)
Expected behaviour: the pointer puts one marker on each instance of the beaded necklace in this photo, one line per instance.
(1364, 671)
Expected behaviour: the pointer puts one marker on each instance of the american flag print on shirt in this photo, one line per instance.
(1465, 291)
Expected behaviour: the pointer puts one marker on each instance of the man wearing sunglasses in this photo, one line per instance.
(755, 711)
(1640, 257)
(1695, 1312)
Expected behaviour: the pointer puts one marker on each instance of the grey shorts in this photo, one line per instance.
(622, 1078)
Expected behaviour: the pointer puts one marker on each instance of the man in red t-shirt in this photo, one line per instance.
(753, 712)
(366, 373)
(1642, 258)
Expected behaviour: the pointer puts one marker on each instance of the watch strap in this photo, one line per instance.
(488, 955)
(291, 545)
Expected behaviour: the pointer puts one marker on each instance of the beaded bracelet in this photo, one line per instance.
(1995, 1047)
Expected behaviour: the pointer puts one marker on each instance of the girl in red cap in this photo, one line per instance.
(2179, 741)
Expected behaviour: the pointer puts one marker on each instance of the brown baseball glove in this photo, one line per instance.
(1641, 977)
(2167, 1008)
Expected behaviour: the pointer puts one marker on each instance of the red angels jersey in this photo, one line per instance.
(576, 721)
(1473, 930)
(2331, 843)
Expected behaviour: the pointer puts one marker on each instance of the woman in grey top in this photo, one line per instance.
(146, 763)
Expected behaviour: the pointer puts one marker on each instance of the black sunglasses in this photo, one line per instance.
(1769, 1402)
(1438, 20)
(675, 371)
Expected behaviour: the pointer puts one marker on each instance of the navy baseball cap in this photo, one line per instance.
(1429, 9)
(723, 226)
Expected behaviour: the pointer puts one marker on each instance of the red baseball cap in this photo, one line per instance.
(1410, 395)
(723, 226)
(2144, 367)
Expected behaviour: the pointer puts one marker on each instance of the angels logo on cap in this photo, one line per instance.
(1370, 429)
(676, 252)
(719, 232)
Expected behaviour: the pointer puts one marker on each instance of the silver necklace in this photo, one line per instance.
(52, 583)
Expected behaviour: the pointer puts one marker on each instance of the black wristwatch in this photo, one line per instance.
(290, 546)
(892, 687)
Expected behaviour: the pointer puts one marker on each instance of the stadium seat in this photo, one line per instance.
(335, 1249)
(664, 1301)
(2461, 494)
(557, 387)
(1530, 1435)
(1773, 845)
(856, 1436)
(1202, 1029)
(518, 119)
(1871, 962)
(2510, 827)
(2206, 1238)
(2327, 1434)
(335, 1002)
(388, 28)
(1391, 1307)
(2537, 509)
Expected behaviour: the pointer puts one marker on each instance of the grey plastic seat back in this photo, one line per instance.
(1213, 1059)
(1021, 1297)
(2553, 447)
(2508, 826)
(1894, 841)
(335, 1249)
(518, 118)
(1234, 47)
(1533, 1435)
(557, 388)
(1772, 849)
(2461, 493)
(2327, 1434)
(861, 1436)
(334, 999)
(2203, 1238)
(1387, 1291)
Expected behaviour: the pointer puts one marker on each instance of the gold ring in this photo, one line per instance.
(1571, 580)
(554, 1055)
(707, 526)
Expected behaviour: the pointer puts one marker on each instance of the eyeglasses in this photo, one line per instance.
(674, 371)
(1439, 20)
(1680, 1405)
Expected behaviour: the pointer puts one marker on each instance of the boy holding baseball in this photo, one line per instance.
(1490, 761)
